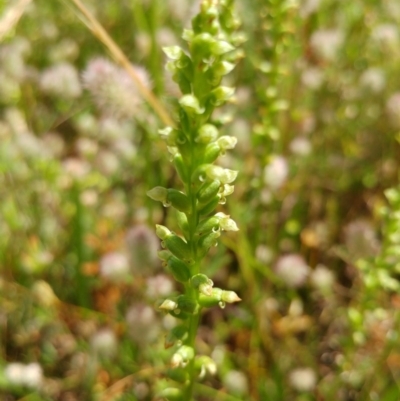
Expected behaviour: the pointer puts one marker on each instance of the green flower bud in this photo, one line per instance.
(177, 361)
(207, 133)
(206, 289)
(218, 297)
(162, 232)
(210, 206)
(182, 222)
(211, 300)
(202, 45)
(207, 19)
(219, 70)
(171, 136)
(170, 66)
(178, 269)
(177, 313)
(188, 35)
(200, 173)
(158, 194)
(168, 305)
(226, 223)
(220, 95)
(207, 241)
(221, 47)
(205, 365)
(176, 335)
(199, 279)
(227, 190)
(227, 142)
(202, 283)
(178, 374)
(191, 105)
(229, 297)
(179, 332)
(238, 38)
(224, 175)
(165, 132)
(232, 22)
(186, 352)
(173, 52)
(223, 119)
(182, 356)
(164, 255)
(187, 304)
(207, 225)
(211, 153)
(184, 62)
(208, 191)
(173, 150)
(178, 200)
(180, 167)
(178, 247)
(209, 9)
(235, 56)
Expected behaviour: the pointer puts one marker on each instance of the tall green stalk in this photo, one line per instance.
(195, 145)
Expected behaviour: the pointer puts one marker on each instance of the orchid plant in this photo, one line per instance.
(195, 145)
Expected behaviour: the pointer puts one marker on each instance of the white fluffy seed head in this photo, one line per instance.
(104, 342)
(322, 278)
(113, 90)
(143, 245)
(143, 324)
(61, 80)
(292, 269)
(276, 172)
(19, 374)
(114, 266)
(236, 382)
(303, 379)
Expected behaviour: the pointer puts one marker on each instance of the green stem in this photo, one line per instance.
(193, 326)
(194, 319)
(79, 247)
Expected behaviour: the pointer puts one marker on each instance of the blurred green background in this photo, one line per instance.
(317, 258)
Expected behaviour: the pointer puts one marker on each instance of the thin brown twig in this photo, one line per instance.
(98, 30)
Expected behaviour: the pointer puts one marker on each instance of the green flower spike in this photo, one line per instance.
(195, 145)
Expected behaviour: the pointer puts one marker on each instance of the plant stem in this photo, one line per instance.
(194, 319)
(193, 326)
(79, 246)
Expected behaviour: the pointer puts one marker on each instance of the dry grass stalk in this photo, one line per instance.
(11, 17)
(98, 30)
